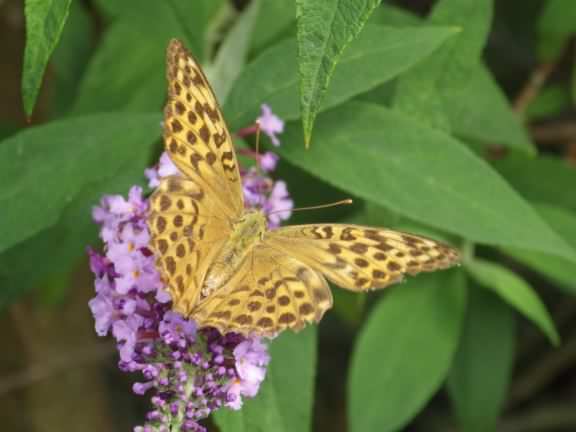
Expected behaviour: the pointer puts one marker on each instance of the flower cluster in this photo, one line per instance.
(189, 372)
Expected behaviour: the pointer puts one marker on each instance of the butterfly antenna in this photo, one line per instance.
(334, 204)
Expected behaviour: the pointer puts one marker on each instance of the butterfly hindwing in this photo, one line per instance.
(195, 133)
(271, 292)
(361, 258)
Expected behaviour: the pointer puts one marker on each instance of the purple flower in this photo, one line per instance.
(103, 312)
(175, 329)
(251, 360)
(188, 372)
(270, 124)
(268, 161)
(279, 205)
(164, 168)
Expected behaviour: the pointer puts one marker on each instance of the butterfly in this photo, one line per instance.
(222, 266)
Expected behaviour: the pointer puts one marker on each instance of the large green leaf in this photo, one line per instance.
(516, 291)
(324, 30)
(232, 54)
(128, 70)
(551, 101)
(557, 23)
(421, 92)
(557, 269)
(382, 156)
(378, 55)
(545, 179)
(54, 251)
(276, 20)
(70, 58)
(284, 402)
(490, 118)
(44, 23)
(404, 351)
(45, 167)
(480, 374)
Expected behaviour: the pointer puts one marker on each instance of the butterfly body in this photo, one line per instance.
(221, 265)
(247, 231)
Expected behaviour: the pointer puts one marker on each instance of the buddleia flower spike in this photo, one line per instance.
(187, 371)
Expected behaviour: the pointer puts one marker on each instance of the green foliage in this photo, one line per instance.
(420, 92)
(467, 120)
(406, 116)
(133, 79)
(71, 57)
(325, 28)
(557, 269)
(273, 76)
(412, 163)
(556, 24)
(480, 374)
(44, 23)
(47, 166)
(404, 351)
(516, 291)
(231, 57)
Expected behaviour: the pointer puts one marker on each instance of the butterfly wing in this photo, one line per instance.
(271, 291)
(186, 230)
(195, 134)
(361, 258)
(191, 217)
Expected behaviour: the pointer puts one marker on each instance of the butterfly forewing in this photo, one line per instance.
(361, 258)
(185, 227)
(195, 133)
(191, 216)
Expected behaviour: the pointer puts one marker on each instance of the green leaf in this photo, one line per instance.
(324, 30)
(526, 176)
(284, 402)
(556, 24)
(480, 374)
(515, 291)
(128, 71)
(70, 58)
(378, 55)
(381, 156)
(44, 23)
(421, 92)
(404, 351)
(550, 101)
(349, 306)
(45, 167)
(194, 18)
(61, 246)
(490, 107)
(557, 269)
(231, 56)
(276, 20)
(391, 15)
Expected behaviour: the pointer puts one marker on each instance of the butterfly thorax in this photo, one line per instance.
(247, 231)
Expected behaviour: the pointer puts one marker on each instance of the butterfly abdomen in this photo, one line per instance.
(247, 232)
